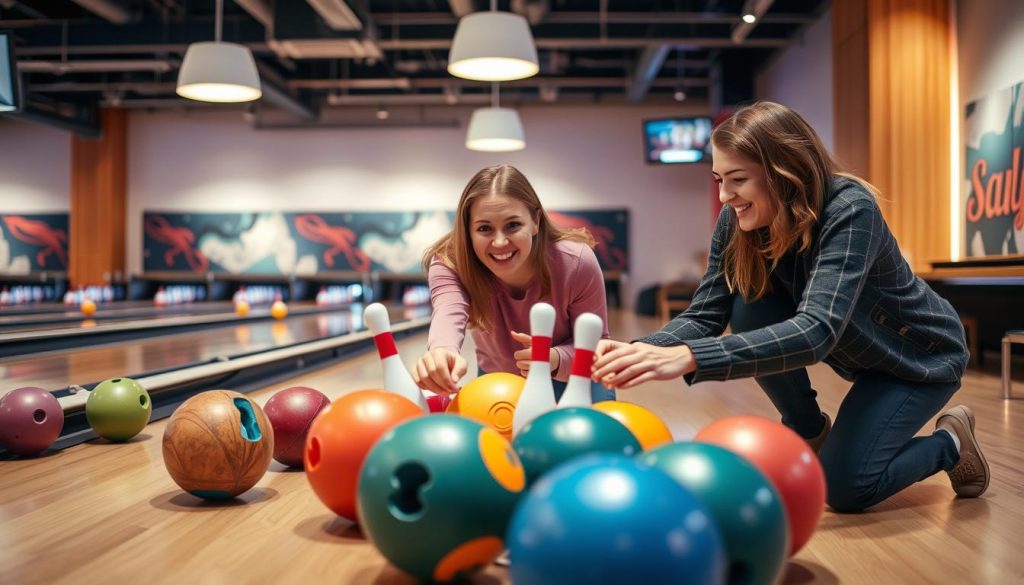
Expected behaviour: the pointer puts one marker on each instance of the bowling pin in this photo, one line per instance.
(586, 334)
(396, 377)
(538, 394)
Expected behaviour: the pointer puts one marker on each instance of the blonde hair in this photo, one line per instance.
(455, 249)
(799, 173)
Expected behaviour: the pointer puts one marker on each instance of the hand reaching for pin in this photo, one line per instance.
(525, 355)
(620, 365)
(440, 370)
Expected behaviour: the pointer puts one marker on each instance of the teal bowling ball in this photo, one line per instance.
(749, 512)
(118, 409)
(607, 519)
(557, 436)
(435, 496)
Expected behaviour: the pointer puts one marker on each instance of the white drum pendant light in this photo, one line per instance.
(493, 46)
(495, 129)
(219, 72)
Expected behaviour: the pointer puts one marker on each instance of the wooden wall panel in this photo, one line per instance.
(97, 223)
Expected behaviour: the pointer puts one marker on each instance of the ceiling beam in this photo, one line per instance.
(743, 29)
(260, 10)
(561, 17)
(647, 68)
(111, 10)
(461, 8)
(534, 11)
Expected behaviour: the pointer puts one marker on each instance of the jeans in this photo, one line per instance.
(598, 392)
(871, 452)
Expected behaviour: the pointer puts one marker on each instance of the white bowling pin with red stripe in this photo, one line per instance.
(586, 334)
(396, 377)
(538, 394)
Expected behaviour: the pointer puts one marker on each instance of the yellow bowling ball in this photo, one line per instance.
(490, 399)
(88, 308)
(650, 430)
(242, 309)
(279, 310)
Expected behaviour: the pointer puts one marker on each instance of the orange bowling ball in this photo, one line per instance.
(88, 308)
(341, 436)
(650, 430)
(490, 399)
(279, 310)
(242, 309)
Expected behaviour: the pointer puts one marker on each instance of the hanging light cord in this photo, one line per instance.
(494, 95)
(219, 19)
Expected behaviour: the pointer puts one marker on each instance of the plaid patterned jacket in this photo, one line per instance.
(859, 307)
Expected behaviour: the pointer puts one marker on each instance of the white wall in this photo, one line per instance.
(801, 77)
(990, 39)
(35, 168)
(576, 158)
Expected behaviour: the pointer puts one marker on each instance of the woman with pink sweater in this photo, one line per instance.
(502, 256)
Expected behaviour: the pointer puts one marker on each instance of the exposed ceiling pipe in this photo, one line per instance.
(647, 68)
(275, 91)
(110, 10)
(442, 83)
(96, 66)
(533, 10)
(84, 123)
(260, 10)
(615, 17)
(461, 8)
(756, 8)
(338, 14)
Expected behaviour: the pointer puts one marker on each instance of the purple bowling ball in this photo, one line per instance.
(291, 412)
(30, 420)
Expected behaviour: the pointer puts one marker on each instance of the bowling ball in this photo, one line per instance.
(279, 310)
(742, 501)
(340, 437)
(560, 435)
(88, 308)
(291, 412)
(217, 444)
(436, 494)
(242, 309)
(30, 420)
(118, 409)
(490, 399)
(785, 459)
(606, 518)
(650, 430)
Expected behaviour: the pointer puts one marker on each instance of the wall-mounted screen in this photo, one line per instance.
(10, 96)
(677, 140)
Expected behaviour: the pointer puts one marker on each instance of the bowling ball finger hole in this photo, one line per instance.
(116, 380)
(142, 401)
(39, 415)
(313, 454)
(408, 480)
(249, 427)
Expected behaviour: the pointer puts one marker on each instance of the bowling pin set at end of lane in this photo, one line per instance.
(538, 394)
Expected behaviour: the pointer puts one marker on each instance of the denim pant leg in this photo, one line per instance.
(872, 453)
(791, 391)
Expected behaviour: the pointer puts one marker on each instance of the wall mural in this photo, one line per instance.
(33, 242)
(304, 243)
(992, 196)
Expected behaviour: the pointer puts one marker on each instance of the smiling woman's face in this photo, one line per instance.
(502, 231)
(743, 186)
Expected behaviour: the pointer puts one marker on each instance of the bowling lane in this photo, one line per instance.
(90, 364)
(107, 312)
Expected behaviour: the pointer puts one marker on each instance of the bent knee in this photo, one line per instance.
(848, 492)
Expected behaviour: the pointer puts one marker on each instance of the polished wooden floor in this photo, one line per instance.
(103, 513)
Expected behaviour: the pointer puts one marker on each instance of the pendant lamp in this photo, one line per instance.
(495, 129)
(493, 46)
(218, 71)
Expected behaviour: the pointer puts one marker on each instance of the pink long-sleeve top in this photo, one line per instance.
(577, 286)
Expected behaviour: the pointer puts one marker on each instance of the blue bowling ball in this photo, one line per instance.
(745, 506)
(606, 518)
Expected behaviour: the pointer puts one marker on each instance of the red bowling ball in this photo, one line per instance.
(30, 420)
(291, 411)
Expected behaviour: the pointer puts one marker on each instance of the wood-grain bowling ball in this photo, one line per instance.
(563, 434)
(118, 409)
(650, 430)
(30, 420)
(606, 518)
(490, 399)
(436, 494)
(291, 412)
(785, 459)
(217, 444)
(242, 309)
(279, 310)
(340, 437)
(88, 308)
(743, 502)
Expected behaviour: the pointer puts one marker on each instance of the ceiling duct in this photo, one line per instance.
(338, 14)
(111, 10)
(300, 32)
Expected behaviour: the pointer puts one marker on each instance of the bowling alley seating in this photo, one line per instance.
(673, 298)
(1011, 337)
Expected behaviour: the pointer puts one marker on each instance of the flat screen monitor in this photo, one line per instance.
(678, 140)
(10, 95)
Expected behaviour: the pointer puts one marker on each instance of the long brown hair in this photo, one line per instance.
(799, 174)
(455, 249)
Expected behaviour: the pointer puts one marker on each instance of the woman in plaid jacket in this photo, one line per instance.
(804, 269)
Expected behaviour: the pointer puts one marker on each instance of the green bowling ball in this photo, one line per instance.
(436, 494)
(118, 409)
(745, 506)
(557, 436)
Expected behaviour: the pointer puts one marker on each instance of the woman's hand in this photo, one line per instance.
(620, 365)
(524, 356)
(439, 370)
